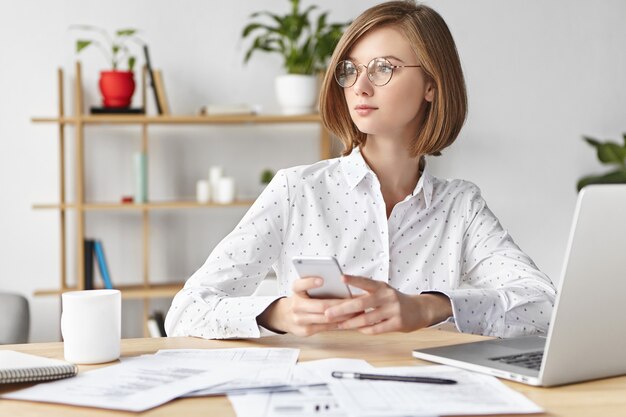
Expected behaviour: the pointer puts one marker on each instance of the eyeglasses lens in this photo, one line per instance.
(346, 74)
(379, 72)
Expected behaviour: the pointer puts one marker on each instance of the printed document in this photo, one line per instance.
(316, 400)
(136, 385)
(307, 394)
(266, 367)
(472, 394)
(331, 397)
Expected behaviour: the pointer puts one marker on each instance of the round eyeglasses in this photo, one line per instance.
(379, 72)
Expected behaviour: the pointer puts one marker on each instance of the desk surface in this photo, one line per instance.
(597, 398)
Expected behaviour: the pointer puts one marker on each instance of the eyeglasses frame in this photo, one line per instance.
(358, 71)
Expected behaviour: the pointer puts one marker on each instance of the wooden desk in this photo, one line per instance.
(598, 398)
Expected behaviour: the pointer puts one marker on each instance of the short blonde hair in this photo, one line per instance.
(432, 43)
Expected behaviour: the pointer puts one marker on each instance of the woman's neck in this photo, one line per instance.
(396, 170)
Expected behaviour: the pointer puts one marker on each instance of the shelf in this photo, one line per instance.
(180, 119)
(156, 205)
(75, 208)
(129, 292)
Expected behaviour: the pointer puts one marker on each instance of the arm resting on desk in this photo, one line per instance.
(217, 301)
(501, 291)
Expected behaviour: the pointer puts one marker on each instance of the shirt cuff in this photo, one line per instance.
(236, 317)
(264, 332)
(476, 311)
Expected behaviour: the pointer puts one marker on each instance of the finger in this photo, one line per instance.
(313, 305)
(364, 320)
(367, 284)
(378, 328)
(305, 319)
(340, 319)
(353, 306)
(312, 329)
(302, 284)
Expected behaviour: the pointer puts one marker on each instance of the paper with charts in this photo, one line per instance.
(134, 385)
(473, 394)
(267, 367)
(309, 395)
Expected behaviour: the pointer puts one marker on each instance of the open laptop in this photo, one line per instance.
(587, 335)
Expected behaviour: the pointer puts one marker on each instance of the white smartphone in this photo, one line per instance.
(327, 268)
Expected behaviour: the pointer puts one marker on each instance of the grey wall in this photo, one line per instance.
(539, 74)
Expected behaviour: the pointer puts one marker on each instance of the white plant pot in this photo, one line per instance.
(296, 94)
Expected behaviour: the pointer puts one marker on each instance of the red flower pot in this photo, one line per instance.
(117, 88)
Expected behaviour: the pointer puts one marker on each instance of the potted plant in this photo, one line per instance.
(265, 178)
(116, 86)
(609, 153)
(305, 49)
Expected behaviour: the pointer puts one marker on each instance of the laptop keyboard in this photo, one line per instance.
(530, 360)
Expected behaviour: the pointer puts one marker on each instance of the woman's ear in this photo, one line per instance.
(430, 91)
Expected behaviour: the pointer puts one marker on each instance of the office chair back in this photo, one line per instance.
(14, 319)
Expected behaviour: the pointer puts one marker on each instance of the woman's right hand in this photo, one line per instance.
(300, 314)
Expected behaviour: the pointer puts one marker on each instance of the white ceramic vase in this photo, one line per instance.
(297, 94)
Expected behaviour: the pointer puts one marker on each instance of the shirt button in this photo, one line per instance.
(381, 254)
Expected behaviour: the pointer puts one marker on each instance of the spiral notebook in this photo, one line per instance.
(22, 367)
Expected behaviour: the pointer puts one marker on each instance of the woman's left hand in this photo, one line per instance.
(383, 309)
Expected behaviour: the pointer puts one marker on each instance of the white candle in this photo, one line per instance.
(215, 173)
(203, 191)
(225, 191)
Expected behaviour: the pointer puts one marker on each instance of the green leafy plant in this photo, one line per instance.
(115, 48)
(305, 49)
(609, 153)
(266, 176)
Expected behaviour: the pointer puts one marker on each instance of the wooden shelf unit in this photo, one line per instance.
(153, 205)
(180, 119)
(144, 290)
(129, 292)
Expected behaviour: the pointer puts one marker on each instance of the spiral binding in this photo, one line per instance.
(12, 376)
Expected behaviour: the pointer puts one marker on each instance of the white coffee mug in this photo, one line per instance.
(91, 325)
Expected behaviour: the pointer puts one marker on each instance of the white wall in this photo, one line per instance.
(540, 74)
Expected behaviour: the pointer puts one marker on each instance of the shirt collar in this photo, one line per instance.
(355, 169)
(425, 185)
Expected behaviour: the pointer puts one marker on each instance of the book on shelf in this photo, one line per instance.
(152, 81)
(16, 367)
(153, 328)
(228, 109)
(140, 168)
(160, 320)
(156, 325)
(160, 89)
(89, 267)
(102, 264)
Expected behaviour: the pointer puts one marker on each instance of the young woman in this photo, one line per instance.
(421, 250)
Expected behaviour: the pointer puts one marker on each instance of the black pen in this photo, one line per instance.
(397, 378)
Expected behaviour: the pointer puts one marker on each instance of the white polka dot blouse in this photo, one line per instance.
(442, 237)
